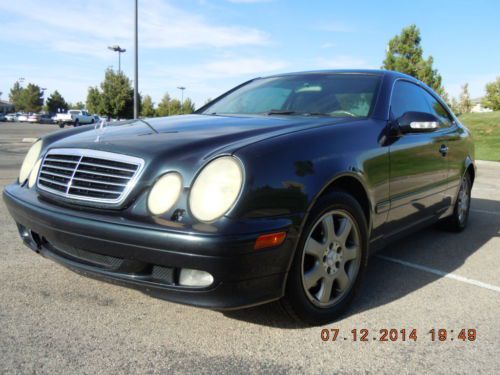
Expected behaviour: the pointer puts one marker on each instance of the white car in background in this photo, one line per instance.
(74, 117)
(11, 117)
(22, 117)
(33, 118)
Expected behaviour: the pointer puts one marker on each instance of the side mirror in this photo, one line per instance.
(418, 122)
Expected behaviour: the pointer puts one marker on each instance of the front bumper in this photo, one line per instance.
(149, 259)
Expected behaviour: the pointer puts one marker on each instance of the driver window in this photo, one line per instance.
(439, 111)
(408, 97)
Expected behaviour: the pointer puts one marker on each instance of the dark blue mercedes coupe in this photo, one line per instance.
(279, 189)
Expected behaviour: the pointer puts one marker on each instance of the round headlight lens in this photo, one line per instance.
(34, 173)
(29, 161)
(165, 193)
(216, 188)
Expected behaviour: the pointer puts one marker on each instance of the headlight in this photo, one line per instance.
(216, 188)
(34, 173)
(165, 193)
(29, 161)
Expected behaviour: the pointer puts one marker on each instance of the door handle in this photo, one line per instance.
(443, 150)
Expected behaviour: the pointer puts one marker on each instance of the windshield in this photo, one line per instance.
(338, 95)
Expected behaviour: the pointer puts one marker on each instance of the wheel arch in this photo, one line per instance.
(470, 168)
(350, 183)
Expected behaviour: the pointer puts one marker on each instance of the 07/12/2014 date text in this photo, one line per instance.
(393, 335)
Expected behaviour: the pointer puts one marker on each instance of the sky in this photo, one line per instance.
(210, 46)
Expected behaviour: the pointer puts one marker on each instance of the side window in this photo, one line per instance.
(439, 111)
(408, 97)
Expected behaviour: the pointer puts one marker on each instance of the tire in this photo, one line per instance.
(327, 255)
(77, 123)
(61, 125)
(458, 219)
(92, 121)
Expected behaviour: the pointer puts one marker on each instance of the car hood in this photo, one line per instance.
(178, 136)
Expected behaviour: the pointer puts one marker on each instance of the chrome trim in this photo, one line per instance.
(81, 153)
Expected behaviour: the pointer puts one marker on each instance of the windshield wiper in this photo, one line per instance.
(290, 112)
(282, 112)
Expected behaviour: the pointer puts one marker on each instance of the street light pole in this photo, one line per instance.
(117, 48)
(182, 88)
(136, 65)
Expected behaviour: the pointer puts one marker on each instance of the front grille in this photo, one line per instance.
(89, 175)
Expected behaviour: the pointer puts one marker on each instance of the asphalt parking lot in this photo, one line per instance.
(55, 321)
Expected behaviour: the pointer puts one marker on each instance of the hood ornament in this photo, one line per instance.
(100, 129)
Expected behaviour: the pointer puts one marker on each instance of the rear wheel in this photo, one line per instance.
(458, 220)
(329, 262)
(77, 123)
(61, 125)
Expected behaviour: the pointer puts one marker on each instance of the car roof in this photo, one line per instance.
(378, 72)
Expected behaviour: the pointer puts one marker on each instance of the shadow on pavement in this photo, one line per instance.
(386, 282)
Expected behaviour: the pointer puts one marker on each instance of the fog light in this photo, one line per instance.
(23, 232)
(189, 277)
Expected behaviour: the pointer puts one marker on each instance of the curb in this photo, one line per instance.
(488, 163)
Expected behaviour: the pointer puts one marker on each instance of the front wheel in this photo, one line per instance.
(61, 125)
(330, 260)
(77, 123)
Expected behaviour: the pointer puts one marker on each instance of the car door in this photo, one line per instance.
(418, 165)
(457, 149)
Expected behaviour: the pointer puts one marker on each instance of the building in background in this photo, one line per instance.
(477, 107)
(6, 107)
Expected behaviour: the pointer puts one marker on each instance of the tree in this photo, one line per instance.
(175, 107)
(465, 103)
(455, 107)
(492, 97)
(405, 55)
(148, 109)
(31, 98)
(56, 103)
(77, 105)
(15, 96)
(164, 106)
(94, 99)
(187, 106)
(117, 95)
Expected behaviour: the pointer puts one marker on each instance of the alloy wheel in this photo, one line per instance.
(331, 258)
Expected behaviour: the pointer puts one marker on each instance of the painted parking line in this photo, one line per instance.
(29, 140)
(486, 211)
(441, 273)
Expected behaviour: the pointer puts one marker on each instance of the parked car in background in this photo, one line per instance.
(74, 117)
(33, 118)
(11, 117)
(46, 119)
(22, 117)
(277, 190)
(2, 117)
